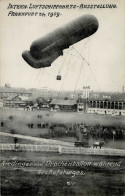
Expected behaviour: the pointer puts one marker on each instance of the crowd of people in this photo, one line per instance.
(79, 131)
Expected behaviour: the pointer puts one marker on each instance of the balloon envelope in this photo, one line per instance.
(48, 48)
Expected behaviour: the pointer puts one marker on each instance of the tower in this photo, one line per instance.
(86, 90)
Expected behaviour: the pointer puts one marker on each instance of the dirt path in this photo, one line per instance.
(40, 140)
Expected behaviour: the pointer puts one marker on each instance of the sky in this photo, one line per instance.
(104, 50)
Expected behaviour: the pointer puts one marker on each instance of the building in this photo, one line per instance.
(36, 98)
(63, 105)
(106, 107)
(6, 92)
(86, 91)
(15, 101)
(81, 106)
(114, 105)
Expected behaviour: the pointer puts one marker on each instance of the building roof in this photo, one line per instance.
(23, 98)
(103, 96)
(57, 107)
(35, 105)
(10, 98)
(118, 97)
(113, 99)
(2, 95)
(63, 102)
(19, 102)
(34, 98)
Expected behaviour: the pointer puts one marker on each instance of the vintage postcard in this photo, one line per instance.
(62, 97)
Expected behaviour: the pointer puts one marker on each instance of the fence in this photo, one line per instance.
(63, 150)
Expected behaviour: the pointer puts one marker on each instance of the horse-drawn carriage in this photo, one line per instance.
(82, 144)
(85, 144)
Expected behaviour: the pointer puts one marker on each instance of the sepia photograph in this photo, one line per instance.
(62, 98)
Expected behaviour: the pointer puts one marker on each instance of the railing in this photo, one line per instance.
(63, 150)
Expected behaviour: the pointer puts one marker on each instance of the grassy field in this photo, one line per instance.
(96, 180)
(25, 117)
(36, 180)
(20, 120)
